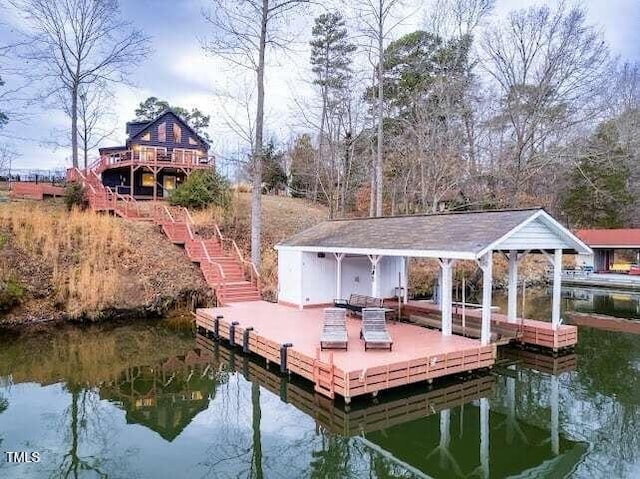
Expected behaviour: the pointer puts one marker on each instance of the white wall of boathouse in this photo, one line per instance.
(311, 278)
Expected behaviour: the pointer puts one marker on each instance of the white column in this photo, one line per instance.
(486, 263)
(557, 279)
(512, 310)
(446, 268)
(339, 257)
(375, 287)
(555, 415)
(445, 434)
(511, 405)
(484, 436)
(405, 279)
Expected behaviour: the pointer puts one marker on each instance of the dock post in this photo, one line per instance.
(232, 333)
(245, 339)
(216, 327)
(283, 357)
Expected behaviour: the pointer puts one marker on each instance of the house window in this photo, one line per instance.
(146, 136)
(162, 132)
(147, 179)
(177, 133)
(192, 141)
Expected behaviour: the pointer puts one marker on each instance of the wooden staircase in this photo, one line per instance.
(233, 278)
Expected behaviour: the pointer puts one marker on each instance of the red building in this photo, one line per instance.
(614, 250)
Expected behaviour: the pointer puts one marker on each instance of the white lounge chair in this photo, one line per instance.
(334, 330)
(374, 329)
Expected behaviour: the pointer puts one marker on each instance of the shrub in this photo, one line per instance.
(201, 189)
(74, 195)
(11, 293)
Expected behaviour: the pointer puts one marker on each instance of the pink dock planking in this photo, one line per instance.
(419, 354)
(530, 332)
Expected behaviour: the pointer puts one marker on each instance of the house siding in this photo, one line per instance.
(170, 120)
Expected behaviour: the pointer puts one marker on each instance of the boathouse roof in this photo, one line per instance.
(461, 235)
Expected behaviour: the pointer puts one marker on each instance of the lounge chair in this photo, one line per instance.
(334, 330)
(374, 329)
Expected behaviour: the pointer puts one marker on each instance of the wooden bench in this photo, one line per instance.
(357, 302)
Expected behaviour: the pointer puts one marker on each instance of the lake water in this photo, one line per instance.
(152, 401)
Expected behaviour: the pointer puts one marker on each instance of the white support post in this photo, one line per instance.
(557, 279)
(445, 435)
(484, 437)
(512, 310)
(555, 415)
(446, 268)
(486, 264)
(339, 257)
(405, 279)
(375, 259)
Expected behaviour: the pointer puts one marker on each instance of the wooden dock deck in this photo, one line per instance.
(349, 421)
(419, 354)
(527, 331)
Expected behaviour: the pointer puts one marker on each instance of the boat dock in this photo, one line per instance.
(289, 337)
(351, 421)
(526, 331)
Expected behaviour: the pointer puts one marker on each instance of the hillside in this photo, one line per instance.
(56, 264)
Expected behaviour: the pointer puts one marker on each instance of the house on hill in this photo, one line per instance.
(158, 155)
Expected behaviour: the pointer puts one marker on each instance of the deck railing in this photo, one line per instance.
(129, 157)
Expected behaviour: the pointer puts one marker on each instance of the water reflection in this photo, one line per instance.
(149, 401)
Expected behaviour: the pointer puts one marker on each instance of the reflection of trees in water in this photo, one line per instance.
(604, 399)
(89, 434)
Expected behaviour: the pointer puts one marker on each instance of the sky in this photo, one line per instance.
(179, 72)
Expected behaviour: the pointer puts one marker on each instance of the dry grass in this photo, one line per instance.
(98, 262)
(82, 248)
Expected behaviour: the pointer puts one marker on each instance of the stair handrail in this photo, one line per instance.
(169, 214)
(253, 271)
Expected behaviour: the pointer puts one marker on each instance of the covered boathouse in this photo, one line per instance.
(369, 256)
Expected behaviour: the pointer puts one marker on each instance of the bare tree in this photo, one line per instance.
(379, 21)
(77, 43)
(243, 31)
(548, 66)
(95, 117)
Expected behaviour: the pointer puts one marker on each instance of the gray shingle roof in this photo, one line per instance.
(465, 231)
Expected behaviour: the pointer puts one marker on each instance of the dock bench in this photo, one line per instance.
(357, 302)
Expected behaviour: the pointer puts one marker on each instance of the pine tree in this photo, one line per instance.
(598, 192)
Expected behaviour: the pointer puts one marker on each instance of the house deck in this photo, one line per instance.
(418, 354)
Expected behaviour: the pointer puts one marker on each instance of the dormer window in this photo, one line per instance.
(177, 133)
(192, 141)
(162, 132)
(146, 136)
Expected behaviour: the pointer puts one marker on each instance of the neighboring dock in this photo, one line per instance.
(289, 337)
(602, 280)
